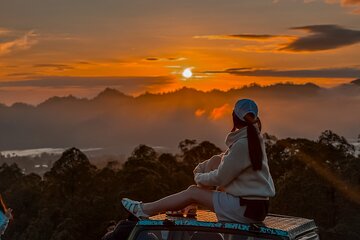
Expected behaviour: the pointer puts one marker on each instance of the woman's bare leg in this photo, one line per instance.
(177, 201)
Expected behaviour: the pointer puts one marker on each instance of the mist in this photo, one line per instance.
(117, 122)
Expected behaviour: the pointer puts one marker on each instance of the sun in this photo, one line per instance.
(187, 73)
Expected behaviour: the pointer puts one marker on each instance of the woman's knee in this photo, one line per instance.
(192, 191)
(192, 188)
(200, 195)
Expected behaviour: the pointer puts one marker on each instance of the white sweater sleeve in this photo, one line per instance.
(201, 167)
(230, 167)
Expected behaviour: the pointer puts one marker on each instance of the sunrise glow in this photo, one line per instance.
(47, 57)
(187, 73)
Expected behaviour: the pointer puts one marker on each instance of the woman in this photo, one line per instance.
(5, 216)
(241, 176)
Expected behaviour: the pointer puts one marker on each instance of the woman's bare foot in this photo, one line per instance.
(190, 210)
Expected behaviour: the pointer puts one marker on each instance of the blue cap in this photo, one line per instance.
(245, 106)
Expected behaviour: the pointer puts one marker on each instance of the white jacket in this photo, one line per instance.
(235, 174)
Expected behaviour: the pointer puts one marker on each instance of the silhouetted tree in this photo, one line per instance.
(75, 200)
(193, 153)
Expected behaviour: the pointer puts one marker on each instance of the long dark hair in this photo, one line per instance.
(254, 145)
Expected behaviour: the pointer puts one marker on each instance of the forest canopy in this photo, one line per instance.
(316, 179)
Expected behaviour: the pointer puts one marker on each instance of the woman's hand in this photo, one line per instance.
(201, 185)
(196, 179)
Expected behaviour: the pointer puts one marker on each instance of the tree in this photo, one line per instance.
(340, 143)
(9, 174)
(76, 200)
(71, 173)
(193, 153)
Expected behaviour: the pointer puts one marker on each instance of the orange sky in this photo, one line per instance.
(264, 41)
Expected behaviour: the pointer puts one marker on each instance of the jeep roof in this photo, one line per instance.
(273, 227)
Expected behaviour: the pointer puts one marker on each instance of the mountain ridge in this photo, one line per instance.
(111, 94)
(117, 122)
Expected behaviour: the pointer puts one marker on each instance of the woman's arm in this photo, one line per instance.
(235, 161)
(208, 165)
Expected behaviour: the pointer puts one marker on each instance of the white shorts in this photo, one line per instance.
(227, 208)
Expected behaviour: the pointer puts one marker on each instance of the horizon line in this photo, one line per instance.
(251, 85)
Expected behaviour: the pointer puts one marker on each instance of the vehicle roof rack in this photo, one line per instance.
(273, 224)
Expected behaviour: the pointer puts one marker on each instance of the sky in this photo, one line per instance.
(62, 47)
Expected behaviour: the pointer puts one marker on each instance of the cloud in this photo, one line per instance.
(350, 2)
(4, 31)
(219, 112)
(85, 63)
(59, 37)
(199, 112)
(263, 48)
(10, 41)
(152, 59)
(21, 74)
(353, 4)
(59, 67)
(319, 38)
(249, 37)
(168, 59)
(265, 42)
(295, 73)
(129, 84)
(323, 37)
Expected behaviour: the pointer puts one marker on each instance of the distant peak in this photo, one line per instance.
(110, 93)
(356, 82)
(21, 105)
(58, 100)
(187, 90)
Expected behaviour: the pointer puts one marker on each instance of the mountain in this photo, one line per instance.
(356, 82)
(110, 93)
(117, 122)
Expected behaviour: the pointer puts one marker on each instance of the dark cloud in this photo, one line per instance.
(298, 73)
(242, 37)
(60, 67)
(85, 63)
(20, 74)
(323, 37)
(153, 59)
(88, 82)
(320, 37)
(254, 36)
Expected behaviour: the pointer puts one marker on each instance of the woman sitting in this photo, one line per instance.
(241, 176)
